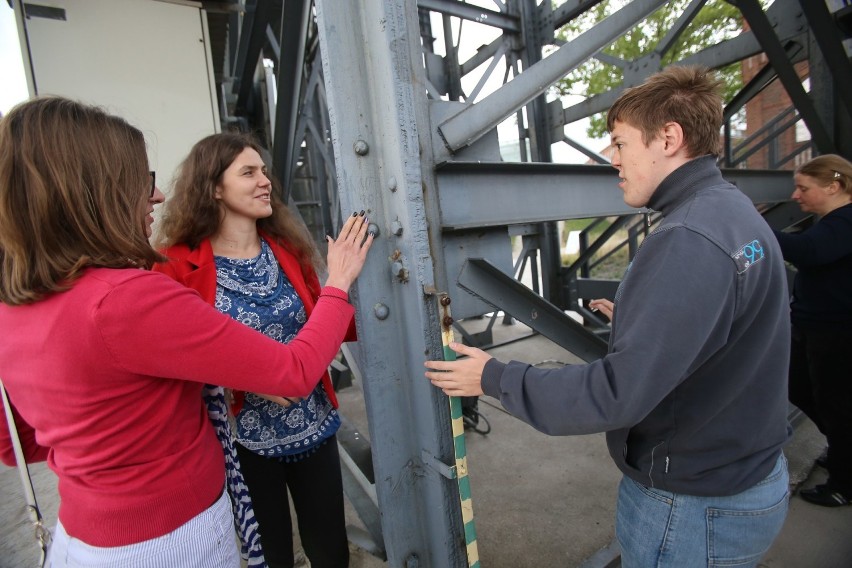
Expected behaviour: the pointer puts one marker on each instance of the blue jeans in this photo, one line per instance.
(662, 529)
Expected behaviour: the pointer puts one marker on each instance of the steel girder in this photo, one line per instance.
(295, 18)
(470, 124)
(380, 130)
(397, 129)
(784, 69)
(474, 194)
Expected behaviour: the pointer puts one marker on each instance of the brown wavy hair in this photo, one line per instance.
(74, 189)
(828, 168)
(688, 95)
(192, 213)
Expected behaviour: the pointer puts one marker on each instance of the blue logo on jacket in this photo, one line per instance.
(747, 256)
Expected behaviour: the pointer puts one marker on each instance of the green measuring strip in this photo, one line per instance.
(459, 443)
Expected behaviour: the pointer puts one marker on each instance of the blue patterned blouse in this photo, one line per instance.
(256, 292)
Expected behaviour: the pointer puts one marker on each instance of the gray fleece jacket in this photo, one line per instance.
(693, 391)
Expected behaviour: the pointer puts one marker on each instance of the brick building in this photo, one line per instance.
(773, 137)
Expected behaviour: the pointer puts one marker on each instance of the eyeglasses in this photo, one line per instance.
(153, 175)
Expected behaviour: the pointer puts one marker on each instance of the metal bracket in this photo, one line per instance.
(448, 471)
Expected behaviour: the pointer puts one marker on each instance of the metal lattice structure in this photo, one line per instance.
(362, 112)
(369, 116)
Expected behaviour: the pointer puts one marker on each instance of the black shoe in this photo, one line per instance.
(824, 496)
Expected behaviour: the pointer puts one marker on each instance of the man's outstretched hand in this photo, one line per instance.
(462, 377)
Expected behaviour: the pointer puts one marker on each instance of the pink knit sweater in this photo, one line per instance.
(109, 376)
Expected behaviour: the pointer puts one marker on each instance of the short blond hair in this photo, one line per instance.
(688, 95)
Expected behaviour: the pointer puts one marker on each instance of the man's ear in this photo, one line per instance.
(673, 141)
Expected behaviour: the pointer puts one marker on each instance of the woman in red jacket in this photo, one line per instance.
(104, 361)
(228, 235)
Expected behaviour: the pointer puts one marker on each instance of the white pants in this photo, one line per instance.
(206, 541)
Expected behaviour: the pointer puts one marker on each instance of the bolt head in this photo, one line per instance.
(361, 148)
(381, 311)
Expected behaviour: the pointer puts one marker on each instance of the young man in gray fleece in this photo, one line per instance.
(693, 391)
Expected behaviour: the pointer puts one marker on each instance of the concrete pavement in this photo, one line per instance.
(538, 501)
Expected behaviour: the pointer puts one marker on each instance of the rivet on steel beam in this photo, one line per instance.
(396, 228)
(445, 300)
(447, 321)
(361, 148)
(382, 312)
(373, 229)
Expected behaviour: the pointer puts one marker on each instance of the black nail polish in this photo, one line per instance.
(354, 213)
(362, 213)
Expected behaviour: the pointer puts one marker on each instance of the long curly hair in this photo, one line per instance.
(192, 213)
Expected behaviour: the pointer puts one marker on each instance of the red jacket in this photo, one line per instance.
(196, 269)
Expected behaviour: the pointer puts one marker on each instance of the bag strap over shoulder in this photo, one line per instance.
(42, 535)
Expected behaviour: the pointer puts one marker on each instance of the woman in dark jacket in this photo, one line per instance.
(821, 312)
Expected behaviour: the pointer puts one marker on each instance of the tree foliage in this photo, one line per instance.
(716, 21)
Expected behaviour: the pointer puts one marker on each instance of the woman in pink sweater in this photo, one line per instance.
(104, 360)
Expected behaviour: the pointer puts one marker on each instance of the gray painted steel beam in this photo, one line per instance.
(383, 148)
(489, 194)
(295, 16)
(569, 10)
(451, 62)
(587, 253)
(679, 26)
(759, 82)
(596, 288)
(476, 194)
(233, 43)
(541, 140)
(783, 215)
(774, 50)
(252, 39)
(472, 13)
(593, 104)
(827, 35)
(362, 495)
(470, 124)
(786, 20)
(484, 54)
(374, 83)
(487, 282)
